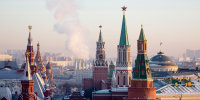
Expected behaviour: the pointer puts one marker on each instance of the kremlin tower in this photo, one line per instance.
(27, 83)
(31, 52)
(100, 71)
(39, 61)
(124, 64)
(142, 82)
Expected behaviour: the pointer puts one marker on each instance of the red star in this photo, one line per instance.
(124, 8)
(100, 26)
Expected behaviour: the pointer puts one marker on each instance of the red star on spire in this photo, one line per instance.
(124, 8)
(100, 26)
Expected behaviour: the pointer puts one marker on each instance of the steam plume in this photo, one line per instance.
(65, 13)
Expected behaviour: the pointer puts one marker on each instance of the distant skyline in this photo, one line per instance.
(175, 23)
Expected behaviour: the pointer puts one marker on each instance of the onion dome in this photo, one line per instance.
(161, 62)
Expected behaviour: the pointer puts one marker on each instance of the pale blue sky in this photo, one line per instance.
(174, 22)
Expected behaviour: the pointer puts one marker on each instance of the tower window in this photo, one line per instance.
(142, 47)
(27, 73)
(118, 80)
(124, 82)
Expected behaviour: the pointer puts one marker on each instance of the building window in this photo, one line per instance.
(118, 80)
(141, 46)
(124, 82)
(26, 73)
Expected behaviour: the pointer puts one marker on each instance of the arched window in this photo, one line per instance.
(124, 80)
(124, 56)
(118, 80)
(119, 57)
(142, 48)
(26, 73)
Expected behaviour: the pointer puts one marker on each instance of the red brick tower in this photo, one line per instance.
(31, 52)
(124, 63)
(39, 61)
(142, 82)
(100, 71)
(111, 72)
(27, 83)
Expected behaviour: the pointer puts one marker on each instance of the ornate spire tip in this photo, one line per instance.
(141, 26)
(27, 55)
(124, 8)
(100, 26)
(29, 27)
(38, 44)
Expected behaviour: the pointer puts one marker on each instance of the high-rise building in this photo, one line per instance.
(124, 63)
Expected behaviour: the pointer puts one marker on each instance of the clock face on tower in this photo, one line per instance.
(100, 56)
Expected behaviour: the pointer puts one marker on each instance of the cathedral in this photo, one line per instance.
(33, 81)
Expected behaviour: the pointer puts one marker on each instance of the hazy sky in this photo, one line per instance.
(174, 22)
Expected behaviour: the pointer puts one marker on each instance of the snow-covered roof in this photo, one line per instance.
(102, 91)
(120, 89)
(12, 64)
(38, 85)
(8, 73)
(5, 92)
(180, 89)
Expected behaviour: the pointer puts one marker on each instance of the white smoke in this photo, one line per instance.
(65, 13)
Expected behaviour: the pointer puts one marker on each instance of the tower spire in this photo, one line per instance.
(39, 61)
(38, 46)
(124, 35)
(142, 69)
(142, 80)
(100, 35)
(29, 37)
(142, 36)
(27, 71)
(124, 62)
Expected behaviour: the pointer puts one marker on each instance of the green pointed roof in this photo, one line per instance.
(111, 62)
(110, 74)
(100, 37)
(142, 71)
(142, 36)
(124, 35)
